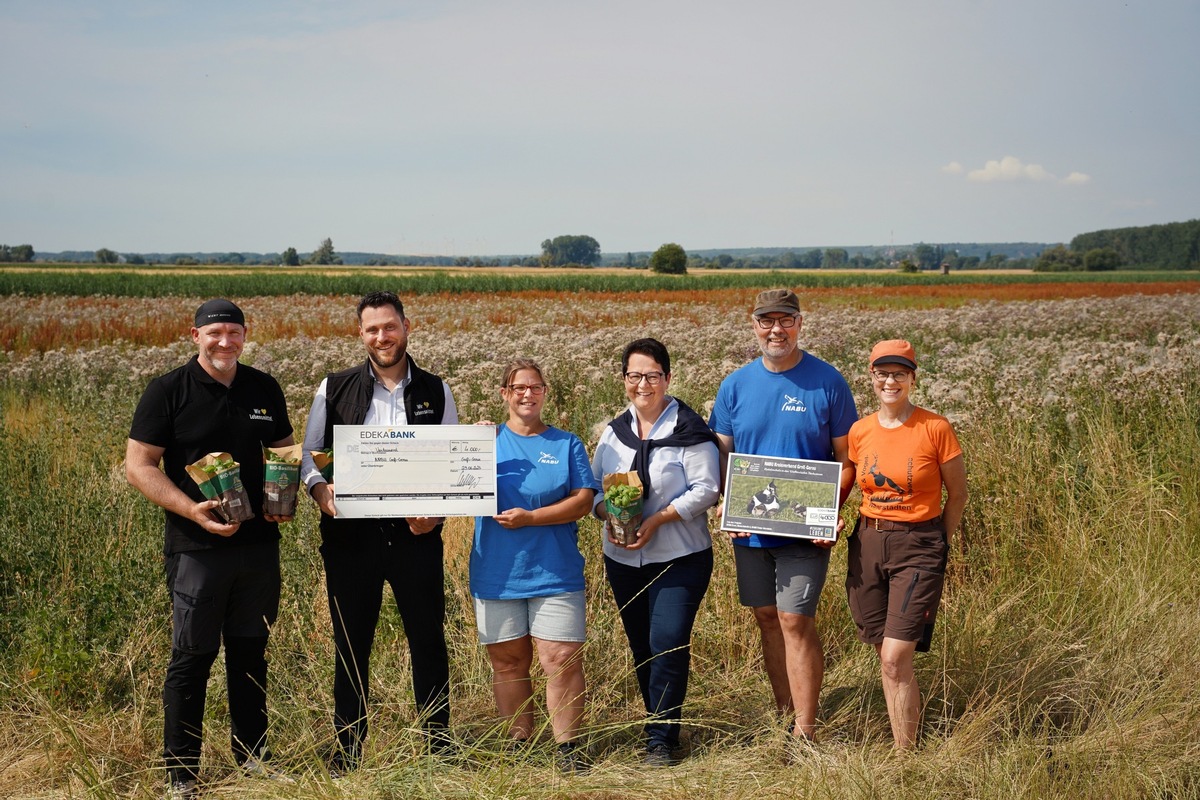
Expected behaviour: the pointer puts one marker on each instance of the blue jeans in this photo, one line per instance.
(658, 605)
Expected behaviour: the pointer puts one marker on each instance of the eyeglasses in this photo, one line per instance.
(522, 388)
(899, 376)
(652, 378)
(766, 323)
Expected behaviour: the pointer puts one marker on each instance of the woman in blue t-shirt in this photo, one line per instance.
(526, 568)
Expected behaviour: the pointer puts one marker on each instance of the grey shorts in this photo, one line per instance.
(789, 577)
(556, 618)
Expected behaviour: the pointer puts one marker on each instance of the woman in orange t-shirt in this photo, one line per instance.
(904, 456)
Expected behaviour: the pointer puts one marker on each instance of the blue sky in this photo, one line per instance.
(485, 126)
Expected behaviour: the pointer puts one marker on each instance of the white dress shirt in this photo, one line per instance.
(387, 408)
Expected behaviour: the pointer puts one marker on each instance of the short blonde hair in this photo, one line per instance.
(518, 364)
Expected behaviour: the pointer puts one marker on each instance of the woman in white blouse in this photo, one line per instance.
(659, 579)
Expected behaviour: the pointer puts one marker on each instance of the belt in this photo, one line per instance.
(889, 525)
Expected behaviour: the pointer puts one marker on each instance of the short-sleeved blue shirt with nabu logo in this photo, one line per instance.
(792, 414)
(538, 560)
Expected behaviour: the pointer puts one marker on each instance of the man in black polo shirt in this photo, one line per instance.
(223, 578)
(360, 555)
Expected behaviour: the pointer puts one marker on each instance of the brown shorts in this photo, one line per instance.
(894, 579)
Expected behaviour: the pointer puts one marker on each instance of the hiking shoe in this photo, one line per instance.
(571, 759)
(659, 755)
(182, 790)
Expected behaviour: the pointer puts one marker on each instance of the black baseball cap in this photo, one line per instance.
(219, 310)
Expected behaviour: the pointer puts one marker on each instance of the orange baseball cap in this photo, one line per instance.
(894, 351)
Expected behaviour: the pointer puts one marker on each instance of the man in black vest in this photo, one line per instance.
(361, 554)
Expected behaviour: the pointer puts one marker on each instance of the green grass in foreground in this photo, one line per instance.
(263, 281)
(1064, 666)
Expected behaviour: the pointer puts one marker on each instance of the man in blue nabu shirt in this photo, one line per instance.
(789, 404)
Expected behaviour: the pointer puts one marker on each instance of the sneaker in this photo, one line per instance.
(256, 768)
(182, 790)
(659, 755)
(572, 759)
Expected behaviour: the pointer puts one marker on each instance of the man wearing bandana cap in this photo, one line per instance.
(223, 577)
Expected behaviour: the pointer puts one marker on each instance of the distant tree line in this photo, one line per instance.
(1174, 245)
(922, 257)
(581, 251)
(918, 257)
(324, 254)
(1169, 246)
(1061, 259)
(16, 254)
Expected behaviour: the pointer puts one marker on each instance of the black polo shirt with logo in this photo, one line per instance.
(190, 415)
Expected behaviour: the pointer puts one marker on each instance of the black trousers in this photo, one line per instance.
(228, 595)
(356, 568)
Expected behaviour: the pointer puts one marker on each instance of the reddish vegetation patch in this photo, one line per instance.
(1003, 292)
(927, 296)
(44, 324)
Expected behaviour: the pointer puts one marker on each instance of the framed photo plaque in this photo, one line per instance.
(781, 496)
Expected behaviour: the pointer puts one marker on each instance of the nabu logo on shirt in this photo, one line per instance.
(792, 404)
(261, 413)
(547, 458)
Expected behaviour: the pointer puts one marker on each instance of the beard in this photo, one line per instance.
(222, 362)
(389, 359)
(778, 348)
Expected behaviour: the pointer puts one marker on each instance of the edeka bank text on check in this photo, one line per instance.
(419, 471)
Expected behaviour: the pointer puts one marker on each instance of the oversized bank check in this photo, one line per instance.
(415, 471)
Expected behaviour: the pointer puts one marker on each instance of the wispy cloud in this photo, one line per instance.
(1010, 169)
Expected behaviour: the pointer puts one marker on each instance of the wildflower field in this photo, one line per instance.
(1065, 659)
